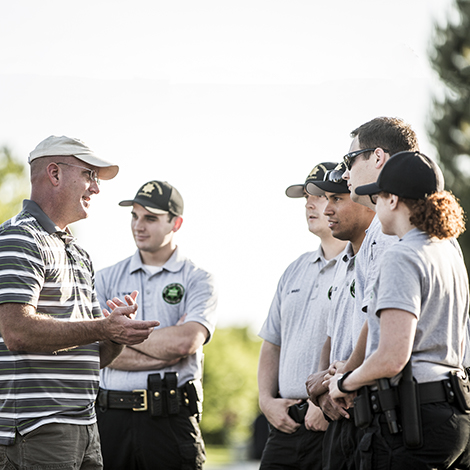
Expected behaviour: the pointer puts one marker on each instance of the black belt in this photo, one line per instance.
(137, 400)
(435, 392)
(429, 392)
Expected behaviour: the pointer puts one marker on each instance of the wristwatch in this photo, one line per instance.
(341, 380)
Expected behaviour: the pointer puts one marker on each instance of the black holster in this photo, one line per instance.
(388, 404)
(461, 389)
(194, 393)
(298, 411)
(410, 411)
(363, 415)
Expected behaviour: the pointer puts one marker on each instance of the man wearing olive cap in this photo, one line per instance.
(150, 400)
(54, 338)
(294, 333)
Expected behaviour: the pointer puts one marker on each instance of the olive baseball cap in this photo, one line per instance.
(158, 197)
(317, 174)
(411, 175)
(70, 147)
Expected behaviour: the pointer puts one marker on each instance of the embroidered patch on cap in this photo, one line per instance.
(173, 293)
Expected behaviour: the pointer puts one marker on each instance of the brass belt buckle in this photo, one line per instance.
(143, 406)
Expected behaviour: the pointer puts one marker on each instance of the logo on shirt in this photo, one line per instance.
(330, 292)
(173, 293)
(352, 289)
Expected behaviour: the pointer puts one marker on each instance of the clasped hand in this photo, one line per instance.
(121, 326)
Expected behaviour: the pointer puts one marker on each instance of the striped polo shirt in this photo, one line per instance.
(42, 266)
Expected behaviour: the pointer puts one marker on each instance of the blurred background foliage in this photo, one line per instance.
(230, 386)
(14, 184)
(449, 124)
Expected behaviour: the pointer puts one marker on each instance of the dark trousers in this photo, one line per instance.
(134, 440)
(340, 445)
(301, 450)
(446, 433)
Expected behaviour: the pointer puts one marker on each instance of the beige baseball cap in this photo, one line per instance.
(71, 147)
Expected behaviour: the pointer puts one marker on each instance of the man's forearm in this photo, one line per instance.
(23, 329)
(268, 371)
(325, 355)
(133, 360)
(357, 356)
(108, 352)
(174, 342)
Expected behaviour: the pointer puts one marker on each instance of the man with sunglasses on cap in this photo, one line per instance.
(373, 144)
(347, 221)
(54, 338)
(150, 400)
(293, 335)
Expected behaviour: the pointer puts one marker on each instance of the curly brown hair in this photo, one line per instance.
(439, 215)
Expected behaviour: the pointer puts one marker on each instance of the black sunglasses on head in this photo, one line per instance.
(334, 176)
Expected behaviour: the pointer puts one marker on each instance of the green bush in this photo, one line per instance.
(230, 386)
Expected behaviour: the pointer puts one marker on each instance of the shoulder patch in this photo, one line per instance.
(173, 293)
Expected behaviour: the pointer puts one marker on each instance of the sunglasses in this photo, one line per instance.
(373, 198)
(334, 176)
(92, 174)
(351, 156)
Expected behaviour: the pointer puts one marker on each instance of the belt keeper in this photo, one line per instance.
(154, 383)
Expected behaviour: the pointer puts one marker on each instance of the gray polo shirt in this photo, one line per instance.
(297, 320)
(176, 288)
(340, 320)
(367, 268)
(426, 277)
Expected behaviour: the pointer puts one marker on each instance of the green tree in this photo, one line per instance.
(230, 386)
(449, 128)
(13, 184)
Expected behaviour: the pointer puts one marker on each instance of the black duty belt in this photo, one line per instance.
(429, 392)
(137, 400)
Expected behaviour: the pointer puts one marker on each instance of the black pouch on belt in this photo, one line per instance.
(155, 390)
(171, 383)
(461, 388)
(362, 409)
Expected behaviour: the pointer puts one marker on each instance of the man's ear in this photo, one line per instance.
(53, 171)
(393, 201)
(177, 224)
(380, 158)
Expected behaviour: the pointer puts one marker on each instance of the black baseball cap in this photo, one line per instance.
(317, 174)
(158, 197)
(333, 181)
(411, 175)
